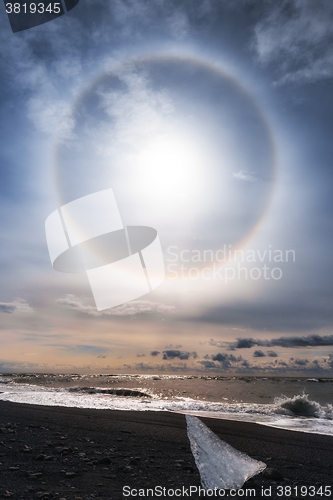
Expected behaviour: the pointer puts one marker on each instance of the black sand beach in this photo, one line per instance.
(56, 452)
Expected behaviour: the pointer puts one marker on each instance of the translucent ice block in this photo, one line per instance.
(219, 464)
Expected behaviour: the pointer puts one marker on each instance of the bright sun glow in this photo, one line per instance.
(170, 169)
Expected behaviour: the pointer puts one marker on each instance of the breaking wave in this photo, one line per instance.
(302, 406)
(293, 412)
(114, 392)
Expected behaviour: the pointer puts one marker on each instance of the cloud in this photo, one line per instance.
(295, 364)
(224, 357)
(313, 340)
(16, 306)
(154, 353)
(25, 367)
(81, 305)
(243, 175)
(225, 361)
(173, 346)
(135, 112)
(173, 353)
(44, 77)
(246, 343)
(140, 355)
(166, 367)
(49, 114)
(179, 24)
(48, 65)
(299, 361)
(85, 349)
(305, 341)
(218, 343)
(286, 314)
(259, 354)
(297, 36)
(229, 363)
(208, 365)
(136, 16)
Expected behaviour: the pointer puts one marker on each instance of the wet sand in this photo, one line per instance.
(56, 452)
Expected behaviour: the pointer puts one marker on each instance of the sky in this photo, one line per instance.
(211, 121)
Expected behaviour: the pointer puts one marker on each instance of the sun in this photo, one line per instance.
(170, 168)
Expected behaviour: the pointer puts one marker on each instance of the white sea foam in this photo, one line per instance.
(297, 413)
(302, 406)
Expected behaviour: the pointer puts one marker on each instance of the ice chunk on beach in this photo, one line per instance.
(219, 464)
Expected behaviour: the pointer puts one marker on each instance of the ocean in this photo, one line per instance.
(297, 404)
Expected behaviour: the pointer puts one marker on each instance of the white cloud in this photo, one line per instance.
(135, 16)
(297, 35)
(16, 306)
(81, 305)
(138, 111)
(46, 76)
(179, 24)
(244, 175)
(50, 114)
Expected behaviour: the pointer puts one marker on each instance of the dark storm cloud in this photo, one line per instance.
(225, 361)
(174, 353)
(244, 343)
(305, 341)
(228, 363)
(209, 365)
(272, 354)
(221, 357)
(290, 342)
(299, 362)
(154, 353)
(259, 354)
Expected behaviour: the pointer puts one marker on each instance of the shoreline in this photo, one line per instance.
(74, 453)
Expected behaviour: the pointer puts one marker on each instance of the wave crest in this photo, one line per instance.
(134, 393)
(302, 406)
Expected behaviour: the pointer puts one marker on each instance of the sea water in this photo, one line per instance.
(299, 404)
